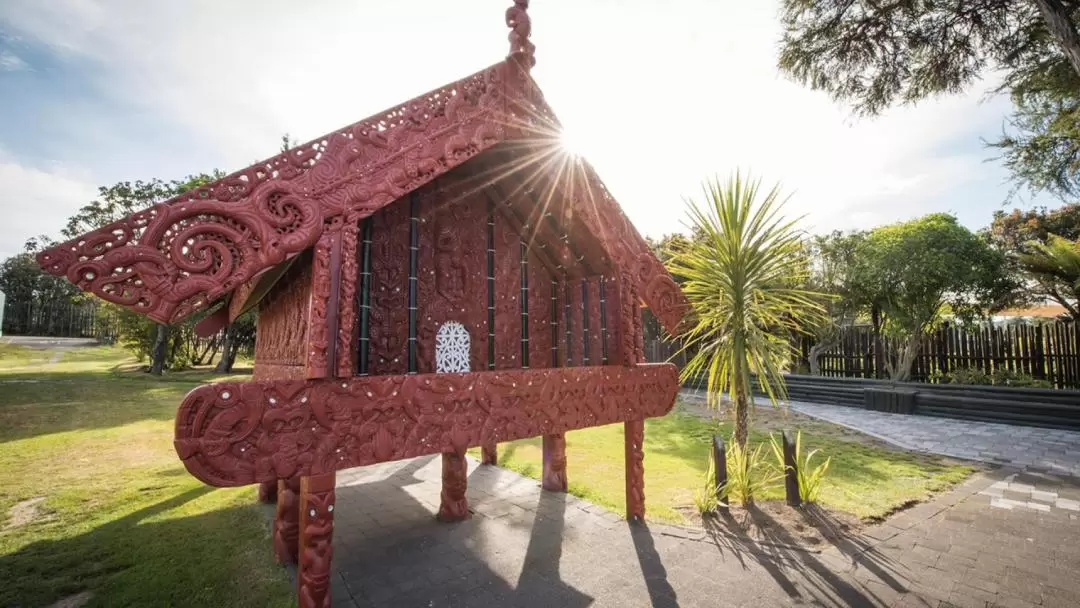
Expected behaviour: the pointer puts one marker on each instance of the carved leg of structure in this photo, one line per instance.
(455, 480)
(489, 454)
(287, 520)
(635, 470)
(268, 492)
(316, 541)
(554, 479)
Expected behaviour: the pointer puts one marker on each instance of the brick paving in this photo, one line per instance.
(526, 547)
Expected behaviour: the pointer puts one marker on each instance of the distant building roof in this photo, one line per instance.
(1046, 311)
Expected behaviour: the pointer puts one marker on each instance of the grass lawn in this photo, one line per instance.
(865, 480)
(94, 500)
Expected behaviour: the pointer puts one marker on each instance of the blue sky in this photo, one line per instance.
(658, 95)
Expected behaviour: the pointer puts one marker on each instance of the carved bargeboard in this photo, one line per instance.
(234, 434)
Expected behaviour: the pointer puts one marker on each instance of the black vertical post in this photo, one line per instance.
(414, 247)
(791, 473)
(585, 360)
(719, 458)
(523, 264)
(566, 317)
(603, 325)
(491, 284)
(554, 323)
(365, 298)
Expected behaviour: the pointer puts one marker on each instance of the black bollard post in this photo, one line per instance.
(719, 458)
(791, 473)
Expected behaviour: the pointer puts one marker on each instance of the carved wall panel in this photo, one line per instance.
(507, 295)
(232, 434)
(577, 329)
(611, 300)
(539, 313)
(347, 309)
(389, 315)
(322, 280)
(283, 323)
(596, 341)
(452, 269)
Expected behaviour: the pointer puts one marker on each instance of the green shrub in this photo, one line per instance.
(748, 474)
(707, 497)
(810, 476)
(999, 377)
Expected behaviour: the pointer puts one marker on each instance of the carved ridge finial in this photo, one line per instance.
(517, 19)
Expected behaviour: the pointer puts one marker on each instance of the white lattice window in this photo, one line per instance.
(452, 348)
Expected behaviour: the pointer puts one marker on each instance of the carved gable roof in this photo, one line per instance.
(181, 255)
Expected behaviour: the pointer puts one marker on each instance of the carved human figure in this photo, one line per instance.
(554, 479)
(635, 470)
(287, 520)
(317, 499)
(452, 356)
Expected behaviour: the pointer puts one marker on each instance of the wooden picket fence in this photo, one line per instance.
(1048, 352)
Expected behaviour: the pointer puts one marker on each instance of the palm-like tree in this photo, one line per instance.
(1057, 263)
(744, 274)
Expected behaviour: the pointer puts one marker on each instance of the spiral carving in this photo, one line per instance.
(183, 254)
(232, 434)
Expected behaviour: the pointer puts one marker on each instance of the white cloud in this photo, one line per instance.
(10, 62)
(659, 96)
(37, 201)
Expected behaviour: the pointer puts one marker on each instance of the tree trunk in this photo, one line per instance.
(1060, 25)
(879, 353)
(157, 355)
(815, 356)
(228, 352)
(901, 370)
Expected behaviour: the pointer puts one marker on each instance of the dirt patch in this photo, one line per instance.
(24, 512)
(775, 523)
(74, 601)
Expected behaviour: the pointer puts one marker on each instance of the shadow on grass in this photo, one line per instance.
(187, 561)
(41, 403)
(688, 438)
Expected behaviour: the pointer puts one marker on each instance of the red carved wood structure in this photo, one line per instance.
(459, 206)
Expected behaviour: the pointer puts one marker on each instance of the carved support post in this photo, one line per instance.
(455, 481)
(489, 454)
(287, 521)
(635, 469)
(554, 479)
(316, 541)
(268, 492)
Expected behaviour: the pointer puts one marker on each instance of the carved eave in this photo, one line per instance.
(184, 254)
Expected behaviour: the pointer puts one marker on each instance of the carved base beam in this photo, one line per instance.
(268, 492)
(455, 482)
(489, 454)
(316, 541)
(635, 470)
(554, 477)
(287, 521)
(234, 434)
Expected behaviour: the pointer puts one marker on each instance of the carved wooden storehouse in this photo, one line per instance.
(439, 276)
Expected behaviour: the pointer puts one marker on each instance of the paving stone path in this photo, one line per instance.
(1022, 447)
(527, 547)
